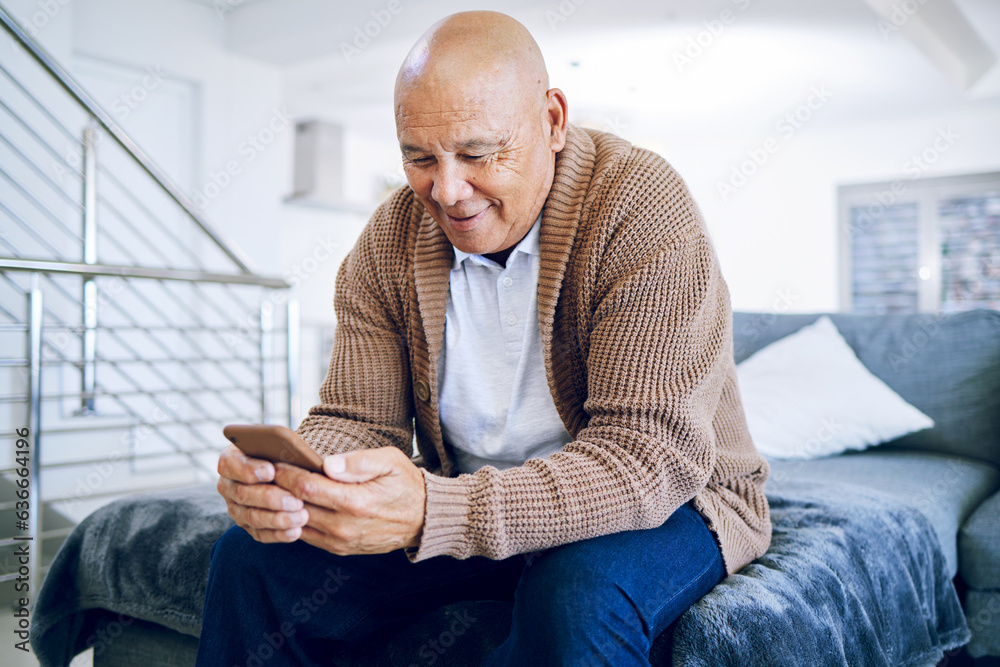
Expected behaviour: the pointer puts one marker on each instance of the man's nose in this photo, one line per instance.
(450, 185)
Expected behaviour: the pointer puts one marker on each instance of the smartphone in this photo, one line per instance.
(274, 443)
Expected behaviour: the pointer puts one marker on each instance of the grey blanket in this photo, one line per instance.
(853, 577)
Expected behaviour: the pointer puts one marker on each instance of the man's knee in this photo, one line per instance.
(564, 590)
(565, 607)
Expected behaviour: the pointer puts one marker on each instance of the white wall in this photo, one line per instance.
(236, 98)
(778, 233)
(882, 102)
(48, 23)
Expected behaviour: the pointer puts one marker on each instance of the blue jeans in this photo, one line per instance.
(600, 601)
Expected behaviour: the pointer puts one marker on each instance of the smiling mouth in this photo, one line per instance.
(466, 223)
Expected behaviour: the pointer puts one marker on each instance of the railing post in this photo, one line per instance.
(292, 352)
(34, 429)
(266, 345)
(89, 369)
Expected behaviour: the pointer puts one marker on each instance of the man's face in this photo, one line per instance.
(479, 159)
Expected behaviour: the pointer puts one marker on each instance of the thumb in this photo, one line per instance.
(359, 466)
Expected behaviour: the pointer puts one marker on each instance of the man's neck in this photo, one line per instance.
(501, 256)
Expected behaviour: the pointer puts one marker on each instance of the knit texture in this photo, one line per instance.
(637, 333)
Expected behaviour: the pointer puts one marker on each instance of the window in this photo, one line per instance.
(930, 245)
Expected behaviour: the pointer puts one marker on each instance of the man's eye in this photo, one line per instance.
(474, 157)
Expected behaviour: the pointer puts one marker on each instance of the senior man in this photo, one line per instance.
(543, 306)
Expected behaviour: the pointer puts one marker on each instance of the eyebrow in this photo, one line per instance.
(475, 145)
(478, 145)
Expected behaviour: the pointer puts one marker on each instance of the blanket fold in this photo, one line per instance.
(852, 577)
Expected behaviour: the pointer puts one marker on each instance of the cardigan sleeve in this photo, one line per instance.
(658, 357)
(365, 399)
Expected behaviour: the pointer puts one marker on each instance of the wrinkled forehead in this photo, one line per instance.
(452, 130)
(449, 87)
(460, 109)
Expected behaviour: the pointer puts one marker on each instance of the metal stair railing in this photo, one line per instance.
(127, 341)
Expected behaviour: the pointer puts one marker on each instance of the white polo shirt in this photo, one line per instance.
(494, 400)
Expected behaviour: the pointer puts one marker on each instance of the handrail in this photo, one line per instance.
(173, 376)
(79, 269)
(80, 95)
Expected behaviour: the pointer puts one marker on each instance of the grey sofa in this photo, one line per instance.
(949, 367)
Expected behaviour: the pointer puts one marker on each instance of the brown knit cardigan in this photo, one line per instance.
(637, 335)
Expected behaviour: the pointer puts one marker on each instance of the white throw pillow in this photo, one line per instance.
(807, 395)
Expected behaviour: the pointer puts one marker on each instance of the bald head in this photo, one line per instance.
(486, 49)
(479, 129)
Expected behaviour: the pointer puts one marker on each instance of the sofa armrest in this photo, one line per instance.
(979, 564)
(979, 546)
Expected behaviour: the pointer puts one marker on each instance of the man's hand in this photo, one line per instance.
(370, 501)
(268, 512)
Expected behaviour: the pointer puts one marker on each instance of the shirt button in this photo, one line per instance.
(507, 282)
(512, 319)
(422, 390)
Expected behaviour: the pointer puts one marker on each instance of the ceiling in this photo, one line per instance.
(647, 60)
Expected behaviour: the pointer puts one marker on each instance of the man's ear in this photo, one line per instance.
(556, 110)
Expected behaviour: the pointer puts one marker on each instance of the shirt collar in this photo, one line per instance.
(528, 245)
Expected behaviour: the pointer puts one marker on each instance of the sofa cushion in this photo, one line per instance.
(807, 396)
(946, 489)
(947, 366)
(979, 546)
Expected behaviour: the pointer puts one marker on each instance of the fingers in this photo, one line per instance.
(325, 541)
(263, 496)
(266, 520)
(267, 512)
(235, 465)
(267, 525)
(374, 504)
(335, 532)
(310, 487)
(345, 535)
(363, 465)
(273, 536)
(320, 490)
